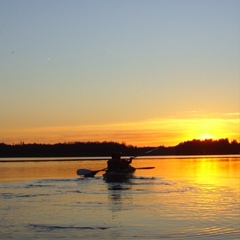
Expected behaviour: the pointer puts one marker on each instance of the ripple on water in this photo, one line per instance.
(47, 228)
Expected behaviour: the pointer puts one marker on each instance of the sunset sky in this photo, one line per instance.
(142, 72)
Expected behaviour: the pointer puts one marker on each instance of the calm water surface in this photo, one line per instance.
(186, 198)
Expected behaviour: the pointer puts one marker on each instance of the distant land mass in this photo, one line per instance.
(98, 149)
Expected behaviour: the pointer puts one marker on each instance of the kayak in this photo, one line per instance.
(112, 176)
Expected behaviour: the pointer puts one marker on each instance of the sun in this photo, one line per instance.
(207, 136)
(203, 129)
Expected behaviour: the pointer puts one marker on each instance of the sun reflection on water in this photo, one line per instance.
(217, 172)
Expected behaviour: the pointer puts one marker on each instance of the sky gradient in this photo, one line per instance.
(146, 73)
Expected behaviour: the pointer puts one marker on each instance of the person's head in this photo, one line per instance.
(116, 156)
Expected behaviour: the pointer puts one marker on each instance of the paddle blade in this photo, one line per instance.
(146, 168)
(83, 172)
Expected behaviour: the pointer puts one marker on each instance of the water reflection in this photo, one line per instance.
(119, 195)
(179, 199)
(216, 172)
(203, 170)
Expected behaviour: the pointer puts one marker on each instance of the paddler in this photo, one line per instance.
(116, 164)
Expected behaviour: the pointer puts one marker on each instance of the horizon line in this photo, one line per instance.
(22, 143)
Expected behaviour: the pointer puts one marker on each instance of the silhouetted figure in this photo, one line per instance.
(116, 164)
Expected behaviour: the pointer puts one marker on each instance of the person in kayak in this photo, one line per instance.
(116, 164)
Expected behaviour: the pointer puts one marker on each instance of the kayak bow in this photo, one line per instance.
(112, 176)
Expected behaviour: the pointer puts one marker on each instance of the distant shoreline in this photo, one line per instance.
(103, 149)
(81, 159)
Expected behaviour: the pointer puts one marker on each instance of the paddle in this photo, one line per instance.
(149, 151)
(88, 173)
(145, 168)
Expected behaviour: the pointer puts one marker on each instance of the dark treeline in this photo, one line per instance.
(208, 147)
(91, 149)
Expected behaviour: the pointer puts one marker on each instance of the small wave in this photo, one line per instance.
(218, 231)
(14, 195)
(31, 195)
(56, 227)
(118, 187)
(205, 233)
(210, 232)
(38, 185)
(88, 179)
(144, 178)
(53, 181)
(74, 191)
(179, 190)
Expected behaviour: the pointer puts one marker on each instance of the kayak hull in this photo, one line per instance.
(111, 176)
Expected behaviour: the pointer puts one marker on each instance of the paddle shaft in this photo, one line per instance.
(149, 151)
(145, 168)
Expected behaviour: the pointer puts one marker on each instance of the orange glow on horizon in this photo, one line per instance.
(166, 132)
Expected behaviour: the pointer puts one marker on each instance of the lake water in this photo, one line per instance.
(182, 198)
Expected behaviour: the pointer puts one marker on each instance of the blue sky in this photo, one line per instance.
(109, 70)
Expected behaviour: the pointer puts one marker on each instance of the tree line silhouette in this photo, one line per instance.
(92, 149)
